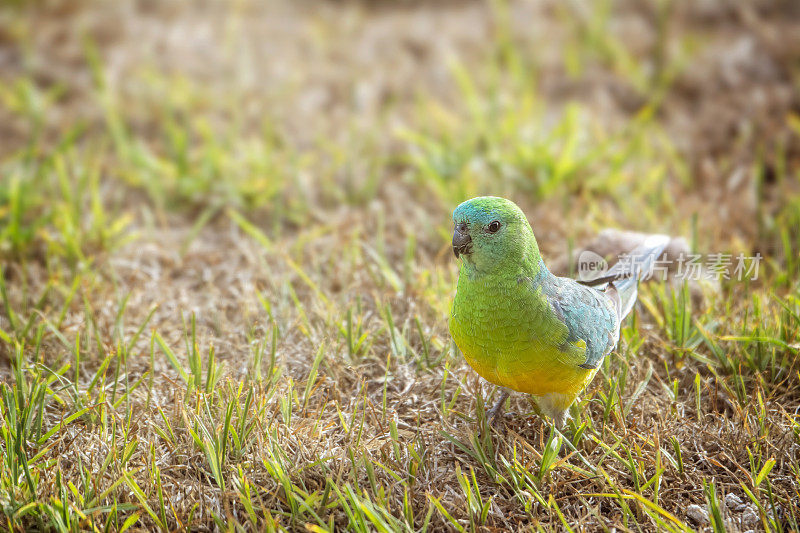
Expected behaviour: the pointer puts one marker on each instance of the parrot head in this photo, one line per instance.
(492, 233)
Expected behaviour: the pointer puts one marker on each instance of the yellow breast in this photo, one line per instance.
(530, 367)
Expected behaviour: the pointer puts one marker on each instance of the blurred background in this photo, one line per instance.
(638, 112)
(285, 172)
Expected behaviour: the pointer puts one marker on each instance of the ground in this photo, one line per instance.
(226, 272)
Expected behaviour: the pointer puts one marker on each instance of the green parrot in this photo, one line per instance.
(523, 328)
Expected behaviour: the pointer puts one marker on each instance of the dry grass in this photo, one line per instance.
(226, 273)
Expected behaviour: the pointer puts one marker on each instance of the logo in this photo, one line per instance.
(591, 265)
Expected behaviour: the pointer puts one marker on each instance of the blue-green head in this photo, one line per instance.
(492, 235)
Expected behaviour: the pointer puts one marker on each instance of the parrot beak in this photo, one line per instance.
(462, 242)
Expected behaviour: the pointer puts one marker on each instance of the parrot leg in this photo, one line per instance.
(556, 406)
(497, 410)
(559, 419)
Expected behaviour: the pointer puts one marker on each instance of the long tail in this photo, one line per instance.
(623, 278)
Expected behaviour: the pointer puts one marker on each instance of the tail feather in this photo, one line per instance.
(636, 265)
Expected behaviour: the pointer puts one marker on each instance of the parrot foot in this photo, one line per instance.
(559, 419)
(555, 406)
(495, 413)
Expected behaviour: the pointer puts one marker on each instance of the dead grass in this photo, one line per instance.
(284, 174)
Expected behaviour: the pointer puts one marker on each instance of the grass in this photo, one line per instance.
(216, 321)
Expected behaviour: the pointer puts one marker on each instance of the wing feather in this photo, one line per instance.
(591, 320)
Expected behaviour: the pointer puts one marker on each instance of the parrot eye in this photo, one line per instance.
(493, 226)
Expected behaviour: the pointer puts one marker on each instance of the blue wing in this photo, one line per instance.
(591, 316)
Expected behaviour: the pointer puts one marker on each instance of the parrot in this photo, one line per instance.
(523, 328)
